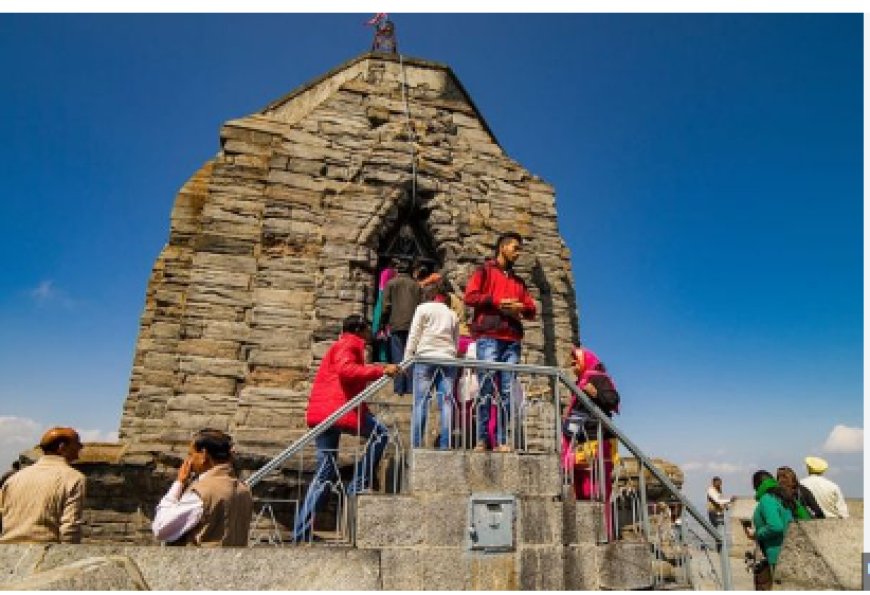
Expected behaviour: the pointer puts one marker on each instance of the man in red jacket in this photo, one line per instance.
(500, 300)
(342, 375)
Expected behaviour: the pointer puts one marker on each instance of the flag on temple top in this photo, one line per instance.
(377, 19)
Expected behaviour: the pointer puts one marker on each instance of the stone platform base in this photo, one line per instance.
(105, 568)
(25, 567)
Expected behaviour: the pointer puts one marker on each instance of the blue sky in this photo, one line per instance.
(708, 171)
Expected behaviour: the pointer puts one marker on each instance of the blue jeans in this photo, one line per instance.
(326, 476)
(402, 382)
(442, 379)
(495, 350)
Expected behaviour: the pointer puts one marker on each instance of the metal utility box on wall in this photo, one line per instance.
(491, 520)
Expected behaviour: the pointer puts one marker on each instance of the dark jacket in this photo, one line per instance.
(805, 497)
(402, 295)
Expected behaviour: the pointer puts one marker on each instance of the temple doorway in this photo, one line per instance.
(407, 242)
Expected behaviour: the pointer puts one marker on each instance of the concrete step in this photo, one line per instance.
(466, 472)
(625, 566)
(588, 523)
(611, 567)
(442, 520)
(674, 587)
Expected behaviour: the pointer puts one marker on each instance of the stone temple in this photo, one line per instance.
(282, 234)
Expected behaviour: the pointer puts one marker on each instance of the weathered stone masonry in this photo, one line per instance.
(276, 239)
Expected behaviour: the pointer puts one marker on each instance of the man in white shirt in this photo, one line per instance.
(215, 509)
(825, 491)
(434, 332)
(717, 504)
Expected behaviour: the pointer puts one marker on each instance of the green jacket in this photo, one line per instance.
(770, 520)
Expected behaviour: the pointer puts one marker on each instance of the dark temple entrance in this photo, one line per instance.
(407, 241)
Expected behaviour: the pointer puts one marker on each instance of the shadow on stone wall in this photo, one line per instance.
(539, 278)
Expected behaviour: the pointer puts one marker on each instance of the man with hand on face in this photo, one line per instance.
(212, 510)
(43, 503)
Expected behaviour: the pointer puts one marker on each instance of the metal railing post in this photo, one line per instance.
(724, 557)
(684, 551)
(600, 487)
(414, 413)
(644, 510)
(557, 414)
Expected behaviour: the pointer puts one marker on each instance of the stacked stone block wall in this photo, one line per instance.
(276, 239)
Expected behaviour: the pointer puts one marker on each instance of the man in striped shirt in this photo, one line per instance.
(43, 503)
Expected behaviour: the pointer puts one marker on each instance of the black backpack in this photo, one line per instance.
(608, 397)
(579, 425)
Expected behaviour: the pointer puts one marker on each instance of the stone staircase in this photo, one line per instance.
(424, 539)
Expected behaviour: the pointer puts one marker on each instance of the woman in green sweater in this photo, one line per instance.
(771, 518)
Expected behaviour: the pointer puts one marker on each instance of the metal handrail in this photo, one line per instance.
(646, 463)
(478, 363)
(373, 388)
(317, 430)
(588, 405)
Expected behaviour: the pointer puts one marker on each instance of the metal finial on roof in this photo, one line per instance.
(385, 34)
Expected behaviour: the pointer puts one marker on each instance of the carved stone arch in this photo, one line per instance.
(404, 230)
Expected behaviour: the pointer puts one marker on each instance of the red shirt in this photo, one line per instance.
(342, 375)
(489, 285)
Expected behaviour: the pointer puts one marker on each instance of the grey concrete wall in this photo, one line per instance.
(822, 555)
(94, 567)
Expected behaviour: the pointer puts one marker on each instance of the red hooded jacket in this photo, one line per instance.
(489, 285)
(342, 375)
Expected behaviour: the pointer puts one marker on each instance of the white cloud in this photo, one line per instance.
(98, 436)
(47, 293)
(844, 439)
(17, 434)
(44, 291)
(717, 466)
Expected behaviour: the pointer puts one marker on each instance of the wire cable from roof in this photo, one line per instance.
(412, 138)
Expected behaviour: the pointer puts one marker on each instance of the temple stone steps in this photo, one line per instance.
(425, 540)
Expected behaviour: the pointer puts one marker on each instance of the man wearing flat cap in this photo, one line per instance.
(207, 505)
(826, 492)
(43, 503)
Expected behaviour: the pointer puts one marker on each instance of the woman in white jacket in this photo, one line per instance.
(434, 332)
